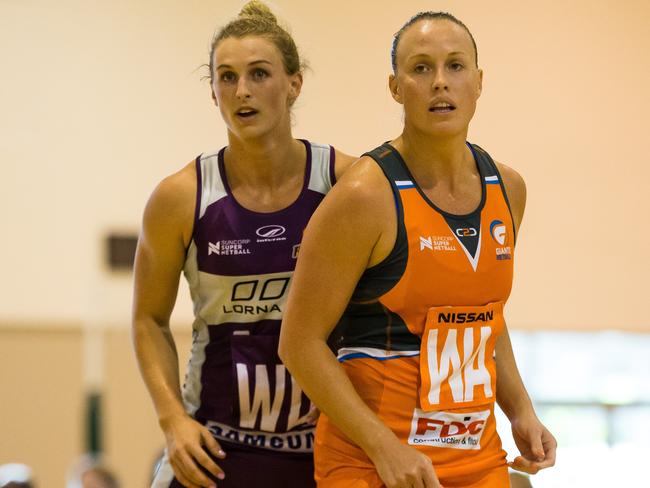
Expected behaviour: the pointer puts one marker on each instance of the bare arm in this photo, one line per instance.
(347, 234)
(166, 232)
(536, 444)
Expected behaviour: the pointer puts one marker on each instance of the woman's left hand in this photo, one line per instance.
(535, 443)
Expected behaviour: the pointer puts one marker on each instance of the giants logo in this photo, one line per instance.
(446, 429)
(498, 232)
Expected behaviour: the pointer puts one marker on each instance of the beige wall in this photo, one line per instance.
(99, 100)
(42, 403)
(41, 400)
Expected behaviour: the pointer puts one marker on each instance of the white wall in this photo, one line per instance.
(101, 99)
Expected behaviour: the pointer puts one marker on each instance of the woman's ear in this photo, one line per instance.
(393, 85)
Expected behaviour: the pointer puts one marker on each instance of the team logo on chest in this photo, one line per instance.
(229, 247)
(437, 243)
(271, 233)
(499, 233)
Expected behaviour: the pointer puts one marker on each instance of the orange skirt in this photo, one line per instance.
(463, 443)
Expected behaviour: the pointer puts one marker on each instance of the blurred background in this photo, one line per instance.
(99, 100)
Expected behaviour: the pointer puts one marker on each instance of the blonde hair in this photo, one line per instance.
(256, 19)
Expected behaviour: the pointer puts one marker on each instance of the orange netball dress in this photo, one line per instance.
(418, 338)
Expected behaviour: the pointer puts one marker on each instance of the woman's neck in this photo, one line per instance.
(265, 161)
(434, 159)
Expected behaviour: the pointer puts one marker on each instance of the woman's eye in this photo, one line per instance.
(227, 77)
(421, 68)
(259, 74)
(456, 66)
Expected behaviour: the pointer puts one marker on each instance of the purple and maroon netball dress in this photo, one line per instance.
(239, 267)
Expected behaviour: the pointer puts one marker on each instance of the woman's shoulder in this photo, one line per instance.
(178, 186)
(173, 201)
(515, 190)
(364, 184)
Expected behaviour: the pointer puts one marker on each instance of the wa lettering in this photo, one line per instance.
(462, 374)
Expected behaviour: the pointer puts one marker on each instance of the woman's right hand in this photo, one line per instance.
(402, 466)
(188, 446)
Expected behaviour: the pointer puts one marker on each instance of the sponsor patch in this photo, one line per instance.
(271, 233)
(437, 243)
(449, 430)
(229, 248)
(301, 441)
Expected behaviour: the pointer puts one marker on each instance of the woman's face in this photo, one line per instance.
(251, 87)
(437, 79)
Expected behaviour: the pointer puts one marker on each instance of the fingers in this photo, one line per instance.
(212, 444)
(188, 473)
(529, 466)
(430, 479)
(536, 447)
(204, 460)
(550, 446)
(313, 414)
(181, 475)
(522, 464)
(420, 475)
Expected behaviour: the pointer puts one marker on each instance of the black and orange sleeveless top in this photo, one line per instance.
(438, 260)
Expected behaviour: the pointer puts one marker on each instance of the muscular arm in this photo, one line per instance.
(166, 232)
(536, 444)
(166, 227)
(334, 252)
(346, 234)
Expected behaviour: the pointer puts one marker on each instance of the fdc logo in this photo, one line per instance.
(449, 430)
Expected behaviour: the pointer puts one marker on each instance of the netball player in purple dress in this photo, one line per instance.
(232, 222)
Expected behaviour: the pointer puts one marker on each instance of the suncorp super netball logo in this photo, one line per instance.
(498, 232)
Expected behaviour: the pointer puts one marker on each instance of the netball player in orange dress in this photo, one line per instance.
(411, 255)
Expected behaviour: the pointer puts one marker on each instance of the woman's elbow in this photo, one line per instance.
(285, 350)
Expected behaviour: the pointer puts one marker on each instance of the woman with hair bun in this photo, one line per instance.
(415, 248)
(232, 222)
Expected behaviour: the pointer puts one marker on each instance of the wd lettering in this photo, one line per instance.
(461, 318)
(263, 408)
